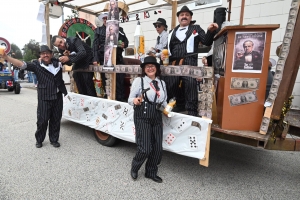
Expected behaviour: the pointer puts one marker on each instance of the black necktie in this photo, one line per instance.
(158, 38)
(182, 29)
(154, 82)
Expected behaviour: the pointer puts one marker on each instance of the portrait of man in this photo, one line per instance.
(112, 31)
(245, 84)
(113, 13)
(248, 52)
(107, 56)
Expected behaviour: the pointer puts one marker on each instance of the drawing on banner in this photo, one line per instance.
(112, 32)
(248, 52)
(113, 13)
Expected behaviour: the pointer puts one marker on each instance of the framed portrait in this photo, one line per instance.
(112, 33)
(248, 52)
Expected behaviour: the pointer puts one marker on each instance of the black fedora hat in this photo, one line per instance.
(184, 9)
(161, 21)
(44, 48)
(150, 60)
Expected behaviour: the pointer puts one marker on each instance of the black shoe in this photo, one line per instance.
(55, 144)
(38, 145)
(157, 179)
(133, 174)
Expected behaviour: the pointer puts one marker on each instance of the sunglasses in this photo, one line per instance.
(157, 26)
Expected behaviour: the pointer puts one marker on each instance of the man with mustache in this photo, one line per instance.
(75, 51)
(50, 89)
(183, 43)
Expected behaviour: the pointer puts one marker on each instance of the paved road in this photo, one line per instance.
(83, 169)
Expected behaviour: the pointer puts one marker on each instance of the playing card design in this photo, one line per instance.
(88, 117)
(133, 130)
(70, 112)
(111, 113)
(181, 126)
(92, 105)
(81, 102)
(169, 139)
(197, 124)
(122, 125)
(117, 107)
(74, 101)
(104, 105)
(98, 120)
(193, 142)
(76, 114)
(86, 109)
(104, 116)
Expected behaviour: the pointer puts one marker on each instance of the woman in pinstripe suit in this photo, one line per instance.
(147, 119)
(50, 89)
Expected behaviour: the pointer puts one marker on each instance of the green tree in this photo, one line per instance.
(31, 50)
(16, 51)
(74, 14)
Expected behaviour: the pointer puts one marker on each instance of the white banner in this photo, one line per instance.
(182, 134)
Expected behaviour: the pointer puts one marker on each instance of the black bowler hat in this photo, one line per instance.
(184, 9)
(44, 48)
(150, 60)
(161, 21)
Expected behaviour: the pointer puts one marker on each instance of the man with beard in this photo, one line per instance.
(74, 50)
(98, 53)
(183, 44)
(50, 89)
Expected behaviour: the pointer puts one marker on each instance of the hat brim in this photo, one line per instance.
(184, 11)
(102, 15)
(158, 22)
(273, 62)
(157, 65)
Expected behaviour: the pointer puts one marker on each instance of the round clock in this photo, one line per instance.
(80, 28)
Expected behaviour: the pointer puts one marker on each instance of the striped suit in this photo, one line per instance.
(148, 125)
(50, 100)
(178, 50)
(81, 56)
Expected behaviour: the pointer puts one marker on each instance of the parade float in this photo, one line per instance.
(231, 103)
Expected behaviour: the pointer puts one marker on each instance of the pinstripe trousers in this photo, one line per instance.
(149, 132)
(85, 84)
(49, 111)
(190, 91)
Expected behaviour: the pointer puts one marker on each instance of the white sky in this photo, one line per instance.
(18, 21)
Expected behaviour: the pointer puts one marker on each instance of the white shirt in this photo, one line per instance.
(180, 33)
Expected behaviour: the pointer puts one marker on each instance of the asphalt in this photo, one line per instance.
(83, 169)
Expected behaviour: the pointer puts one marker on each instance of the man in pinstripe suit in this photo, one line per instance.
(80, 54)
(50, 89)
(183, 43)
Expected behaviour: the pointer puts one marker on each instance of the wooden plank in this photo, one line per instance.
(289, 73)
(246, 134)
(259, 26)
(268, 112)
(242, 12)
(205, 161)
(113, 76)
(174, 11)
(47, 10)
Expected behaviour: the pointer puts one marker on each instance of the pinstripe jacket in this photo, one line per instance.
(80, 53)
(178, 49)
(49, 85)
